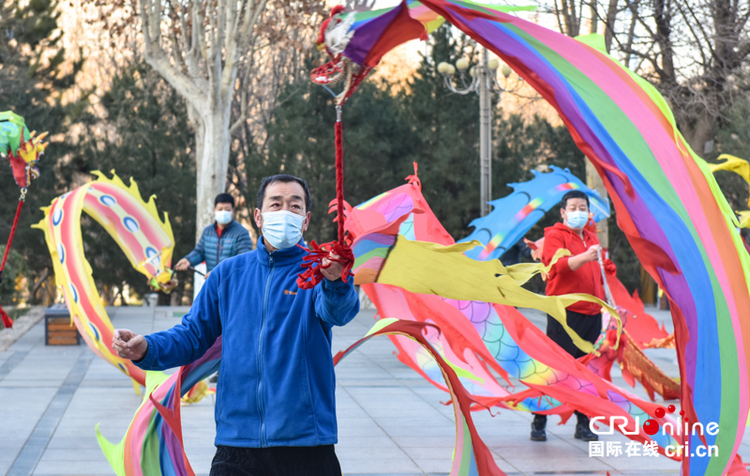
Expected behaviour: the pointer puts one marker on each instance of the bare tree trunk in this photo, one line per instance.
(594, 17)
(50, 288)
(198, 54)
(609, 30)
(570, 16)
(196, 123)
(663, 18)
(38, 285)
(572, 20)
(698, 134)
(213, 163)
(593, 180)
(633, 7)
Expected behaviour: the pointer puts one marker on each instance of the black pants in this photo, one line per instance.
(586, 326)
(276, 461)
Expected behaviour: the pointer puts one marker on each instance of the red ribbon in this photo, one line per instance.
(313, 262)
(7, 322)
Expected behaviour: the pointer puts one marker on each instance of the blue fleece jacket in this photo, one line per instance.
(277, 384)
(213, 250)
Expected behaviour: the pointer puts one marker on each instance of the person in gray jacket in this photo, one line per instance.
(220, 240)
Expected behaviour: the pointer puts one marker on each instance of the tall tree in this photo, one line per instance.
(694, 52)
(691, 50)
(208, 52)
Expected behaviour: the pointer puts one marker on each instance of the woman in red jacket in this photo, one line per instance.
(578, 273)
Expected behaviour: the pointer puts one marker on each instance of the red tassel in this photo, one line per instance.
(7, 322)
(313, 262)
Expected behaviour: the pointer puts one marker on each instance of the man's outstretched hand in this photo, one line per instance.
(182, 265)
(331, 269)
(129, 345)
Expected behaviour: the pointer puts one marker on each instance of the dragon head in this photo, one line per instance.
(165, 281)
(21, 147)
(335, 33)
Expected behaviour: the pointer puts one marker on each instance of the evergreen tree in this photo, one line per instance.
(445, 135)
(301, 143)
(523, 145)
(149, 141)
(445, 128)
(32, 85)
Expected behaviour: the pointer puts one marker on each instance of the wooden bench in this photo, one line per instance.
(58, 328)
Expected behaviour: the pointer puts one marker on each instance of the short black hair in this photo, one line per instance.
(224, 198)
(283, 178)
(574, 194)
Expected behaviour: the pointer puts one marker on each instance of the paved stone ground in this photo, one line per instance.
(391, 421)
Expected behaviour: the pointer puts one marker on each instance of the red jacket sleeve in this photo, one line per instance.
(552, 242)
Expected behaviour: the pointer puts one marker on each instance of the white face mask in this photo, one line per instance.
(282, 229)
(577, 219)
(222, 217)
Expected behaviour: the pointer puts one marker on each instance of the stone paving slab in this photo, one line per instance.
(20, 326)
(391, 421)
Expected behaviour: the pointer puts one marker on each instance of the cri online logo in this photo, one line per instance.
(651, 426)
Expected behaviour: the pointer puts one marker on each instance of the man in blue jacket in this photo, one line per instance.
(220, 240)
(275, 407)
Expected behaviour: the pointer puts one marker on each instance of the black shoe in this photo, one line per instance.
(214, 378)
(537, 430)
(583, 432)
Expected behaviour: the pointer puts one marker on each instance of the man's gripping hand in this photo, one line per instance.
(129, 345)
(591, 254)
(331, 269)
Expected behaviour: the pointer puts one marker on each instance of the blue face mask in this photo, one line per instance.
(222, 217)
(577, 219)
(282, 229)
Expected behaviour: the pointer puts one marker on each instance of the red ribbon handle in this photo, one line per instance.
(313, 262)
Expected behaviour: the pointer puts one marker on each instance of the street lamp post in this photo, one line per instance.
(483, 82)
(485, 136)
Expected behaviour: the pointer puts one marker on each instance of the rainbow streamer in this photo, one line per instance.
(471, 342)
(152, 445)
(668, 205)
(364, 37)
